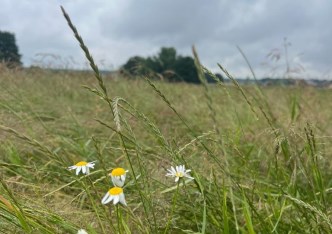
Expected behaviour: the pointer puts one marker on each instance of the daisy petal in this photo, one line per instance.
(122, 199)
(83, 169)
(109, 199)
(72, 167)
(78, 169)
(103, 201)
(170, 172)
(173, 170)
(116, 200)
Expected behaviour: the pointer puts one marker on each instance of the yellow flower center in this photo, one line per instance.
(118, 172)
(82, 163)
(115, 191)
(179, 174)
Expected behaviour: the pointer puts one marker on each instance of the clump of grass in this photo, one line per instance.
(258, 166)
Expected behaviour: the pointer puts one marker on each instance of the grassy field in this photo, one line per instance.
(260, 158)
(261, 162)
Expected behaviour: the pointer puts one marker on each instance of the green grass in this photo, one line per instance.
(261, 159)
(274, 181)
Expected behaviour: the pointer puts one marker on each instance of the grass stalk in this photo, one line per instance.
(174, 200)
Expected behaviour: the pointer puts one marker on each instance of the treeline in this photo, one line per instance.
(9, 54)
(166, 65)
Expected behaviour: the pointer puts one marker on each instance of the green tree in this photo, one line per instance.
(211, 79)
(154, 64)
(167, 58)
(136, 65)
(167, 65)
(186, 70)
(9, 50)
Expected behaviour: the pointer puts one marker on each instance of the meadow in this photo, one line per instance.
(260, 157)
(248, 176)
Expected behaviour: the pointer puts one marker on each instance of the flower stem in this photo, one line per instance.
(173, 207)
(86, 188)
(118, 216)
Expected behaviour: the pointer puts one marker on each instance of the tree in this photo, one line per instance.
(167, 64)
(9, 50)
(137, 66)
(167, 58)
(211, 79)
(185, 68)
(154, 64)
(133, 64)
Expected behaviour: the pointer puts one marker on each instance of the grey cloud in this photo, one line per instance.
(175, 21)
(116, 30)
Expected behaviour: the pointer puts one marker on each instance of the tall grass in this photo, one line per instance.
(260, 157)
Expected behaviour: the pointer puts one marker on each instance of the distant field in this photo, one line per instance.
(261, 165)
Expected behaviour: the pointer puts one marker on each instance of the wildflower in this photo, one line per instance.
(82, 231)
(84, 166)
(179, 172)
(115, 194)
(118, 176)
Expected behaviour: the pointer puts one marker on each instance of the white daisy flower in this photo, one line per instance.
(115, 194)
(179, 172)
(84, 166)
(118, 176)
(82, 231)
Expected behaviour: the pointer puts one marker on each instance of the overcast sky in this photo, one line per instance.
(115, 30)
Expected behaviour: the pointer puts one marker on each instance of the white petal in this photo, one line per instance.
(82, 231)
(117, 182)
(183, 168)
(87, 170)
(177, 179)
(122, 199)
(188, 176)
(83, 169)
(173, 170)
(177, 168)
(72, 167)
(170, 173)
(109, 199)
(116, 199)
(91, 164)
(113, 180)
(103, 201)
(78, 169)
